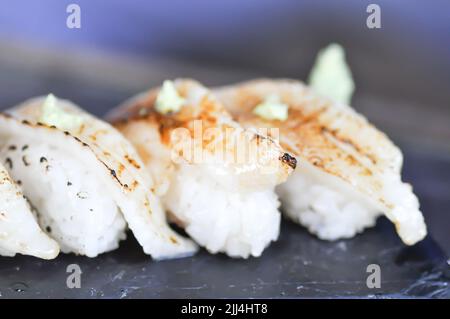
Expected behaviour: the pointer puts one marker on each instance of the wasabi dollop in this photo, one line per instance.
(168, 99)
(53, 115)
(272, 109)
(331, 76)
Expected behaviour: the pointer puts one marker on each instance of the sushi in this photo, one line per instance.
(85, 180)
(350, 172)
(19, 230)
(221, 194)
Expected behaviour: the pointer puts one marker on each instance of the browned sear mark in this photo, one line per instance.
(82, 195)
(132, 161)
(25, 161)
(289, 160)
(9, 162)
(82, 127)
(121, 169)
(114, 175)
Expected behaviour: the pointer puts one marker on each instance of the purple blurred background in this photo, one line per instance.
(277, 38)
(280, 37)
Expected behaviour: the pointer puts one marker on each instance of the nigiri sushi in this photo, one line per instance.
(19, 230)
(85, 180)
(189, 143)
(350, 172)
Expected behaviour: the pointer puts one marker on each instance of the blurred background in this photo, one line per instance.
(402, 70)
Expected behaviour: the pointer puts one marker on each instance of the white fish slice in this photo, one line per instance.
(351, 170)
(225, 204)
(19, 230)
(107, 183)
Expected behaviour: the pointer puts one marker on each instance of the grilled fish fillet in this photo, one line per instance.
(19, 231)
(115, 169)
(351, 170)
(209, 185)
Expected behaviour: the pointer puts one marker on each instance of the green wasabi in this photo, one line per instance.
(53, 115)
(272, 109)
(331, 75)
(168, 100)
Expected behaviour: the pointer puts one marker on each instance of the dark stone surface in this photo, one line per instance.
(297, 265)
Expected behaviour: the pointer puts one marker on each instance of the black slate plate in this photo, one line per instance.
(298, 265)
